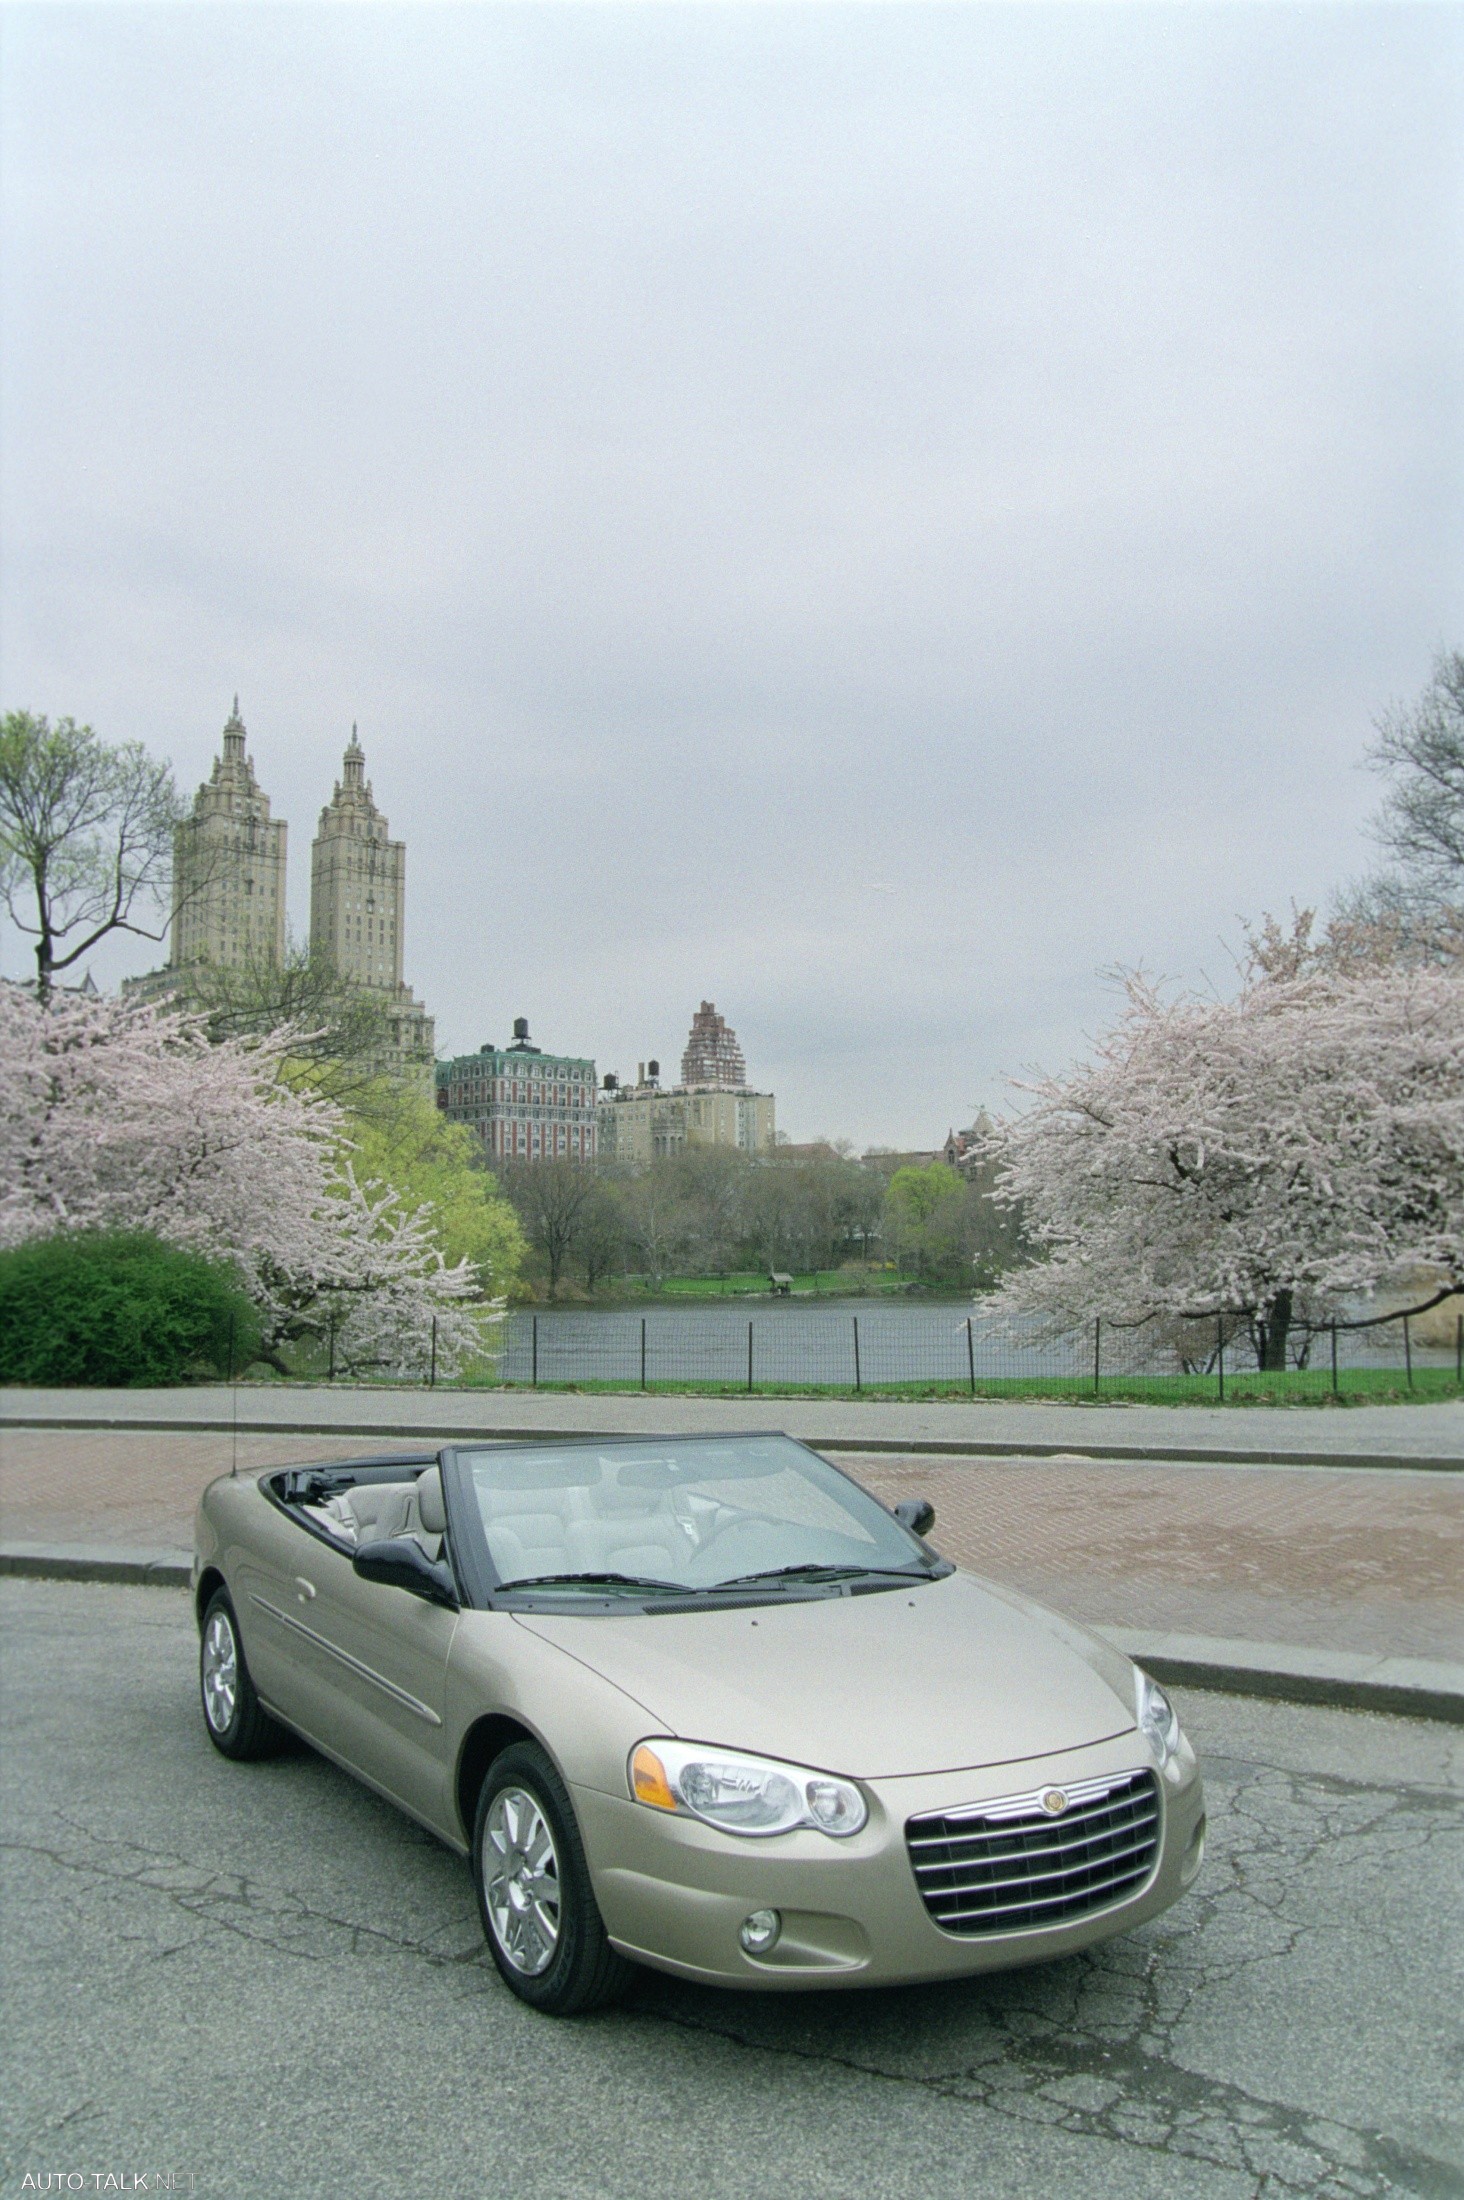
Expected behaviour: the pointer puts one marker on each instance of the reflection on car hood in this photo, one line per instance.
(933, 1679)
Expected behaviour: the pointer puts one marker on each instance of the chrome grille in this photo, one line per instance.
(1011, 1864)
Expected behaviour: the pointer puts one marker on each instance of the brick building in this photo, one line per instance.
(712, 1055)
(640, 1123)
(524, 1104)
(712, 1106)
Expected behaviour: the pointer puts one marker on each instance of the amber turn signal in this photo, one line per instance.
(648, 1780)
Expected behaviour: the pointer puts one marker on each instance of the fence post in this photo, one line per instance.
(1097, 1350)
(432, 1370)
(330, 1371)
(643, 1352)
(858, 1385)
(1220, 1353)
(534, 1370)
(971, 1355)
(1459, 1351)
(749, 1355)
(231, 1344)
(1408, 1351)
(1336, 1391)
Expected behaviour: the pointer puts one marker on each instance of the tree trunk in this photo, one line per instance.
(1272, 1331)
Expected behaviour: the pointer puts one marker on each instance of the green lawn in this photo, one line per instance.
(753, 1283)
(1356, 1386)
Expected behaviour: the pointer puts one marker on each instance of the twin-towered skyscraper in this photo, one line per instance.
(229, 888)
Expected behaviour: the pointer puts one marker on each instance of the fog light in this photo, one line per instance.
(760, 1931)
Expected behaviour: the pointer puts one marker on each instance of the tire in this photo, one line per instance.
(237, 1723)
(540, 1917)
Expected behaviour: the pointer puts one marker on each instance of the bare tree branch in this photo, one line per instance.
(86, 838)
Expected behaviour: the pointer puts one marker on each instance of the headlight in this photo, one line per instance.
(753, 1795)
(1157, 1717)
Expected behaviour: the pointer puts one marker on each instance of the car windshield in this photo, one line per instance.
(683, 1519)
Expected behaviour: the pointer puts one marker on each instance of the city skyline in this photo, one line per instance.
(871, 516)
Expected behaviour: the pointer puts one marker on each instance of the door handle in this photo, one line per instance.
(305, 1588)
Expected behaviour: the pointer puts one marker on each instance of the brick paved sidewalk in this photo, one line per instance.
(1331, 1559)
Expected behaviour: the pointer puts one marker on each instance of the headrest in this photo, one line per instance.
(430, 1508)
(614, 1496)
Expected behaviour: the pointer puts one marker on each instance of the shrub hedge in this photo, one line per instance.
(119, 1309)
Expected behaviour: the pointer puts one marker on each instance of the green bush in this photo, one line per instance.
(119, 1309)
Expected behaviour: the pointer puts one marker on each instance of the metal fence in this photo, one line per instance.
(939, 1350)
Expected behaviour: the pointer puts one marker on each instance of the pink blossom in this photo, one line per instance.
(117, 1114)
(1304, 1138)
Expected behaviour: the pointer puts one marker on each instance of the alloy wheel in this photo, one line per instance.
(220, 1673)
(521, 1879)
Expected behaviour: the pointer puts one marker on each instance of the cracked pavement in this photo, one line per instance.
(265, 1978)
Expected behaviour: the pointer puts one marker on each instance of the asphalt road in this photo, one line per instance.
(263, 1980)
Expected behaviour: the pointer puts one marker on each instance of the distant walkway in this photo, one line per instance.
(1431, 1435)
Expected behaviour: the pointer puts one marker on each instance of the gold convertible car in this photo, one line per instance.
(701, 1703)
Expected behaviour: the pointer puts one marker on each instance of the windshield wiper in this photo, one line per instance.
(829, 1573)
(597, 1581)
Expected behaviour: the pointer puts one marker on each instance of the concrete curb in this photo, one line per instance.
(97, 1562)
(1413, 1688)
(1192, 1455)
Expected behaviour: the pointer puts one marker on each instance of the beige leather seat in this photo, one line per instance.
(431, 1506)
(358, 1512)
(630, 1531)
(426, 1512)
(529, 1531)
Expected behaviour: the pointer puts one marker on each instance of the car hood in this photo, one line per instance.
(953, 1674)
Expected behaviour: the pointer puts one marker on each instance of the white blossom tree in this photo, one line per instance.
(1260, 1158)
(116, 1114)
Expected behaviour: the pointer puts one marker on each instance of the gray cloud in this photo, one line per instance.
(730, 459)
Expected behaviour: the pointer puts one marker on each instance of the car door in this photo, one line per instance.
(273, 1579)
(381, 1655)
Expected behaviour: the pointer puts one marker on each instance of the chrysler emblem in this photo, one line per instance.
(1054, 1802)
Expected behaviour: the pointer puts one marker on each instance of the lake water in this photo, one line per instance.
(844, 1341)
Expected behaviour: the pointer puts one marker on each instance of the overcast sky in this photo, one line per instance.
(869, 514)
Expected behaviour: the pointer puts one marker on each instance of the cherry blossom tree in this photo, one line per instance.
(1263, 1157)
(117, 1114)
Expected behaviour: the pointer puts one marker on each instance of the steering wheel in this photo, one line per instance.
(739, 1521)
(752, 1543)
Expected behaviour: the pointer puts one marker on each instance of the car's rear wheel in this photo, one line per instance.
(540, 1916)
(237, 1722)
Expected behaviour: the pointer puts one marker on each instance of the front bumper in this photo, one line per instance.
(674, 1892)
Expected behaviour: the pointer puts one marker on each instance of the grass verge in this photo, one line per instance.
(1303, 1387)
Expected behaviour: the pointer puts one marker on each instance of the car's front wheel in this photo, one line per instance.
(237, 1721)
(539, 1911)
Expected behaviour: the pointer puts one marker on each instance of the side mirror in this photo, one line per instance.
(401, 1563)
(915, 1513)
